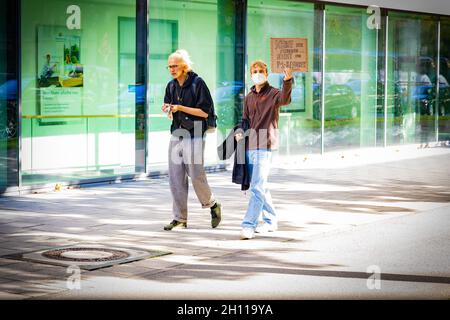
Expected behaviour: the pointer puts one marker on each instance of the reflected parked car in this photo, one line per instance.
(340, 103)
(227, 90)
(8, 90)
(425, 98)
(8, 115)
(424, 91)
(228, 100)
(444, 100)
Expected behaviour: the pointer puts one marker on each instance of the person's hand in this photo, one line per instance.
(287, 74)
(238, 137)
(165, 107)
(176, 107)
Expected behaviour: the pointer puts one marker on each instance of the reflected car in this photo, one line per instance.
(226, 91)
(424, 96)
(8, 89)
(228, 100)
(340, 103)
(8, 115)
(424, 93)
(444, 100)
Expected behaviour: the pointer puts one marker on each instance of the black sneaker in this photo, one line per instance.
(216, 215)
(175, 225)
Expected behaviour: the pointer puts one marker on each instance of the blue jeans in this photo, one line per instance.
(259, 162)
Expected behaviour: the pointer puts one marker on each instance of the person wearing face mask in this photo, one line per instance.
(187, 102)
(261, 110)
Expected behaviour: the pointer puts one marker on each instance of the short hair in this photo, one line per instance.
(259, 63)
(183, 56)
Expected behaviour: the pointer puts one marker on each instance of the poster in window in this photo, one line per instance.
(59, 71)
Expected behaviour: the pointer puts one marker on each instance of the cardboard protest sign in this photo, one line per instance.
(289, 52)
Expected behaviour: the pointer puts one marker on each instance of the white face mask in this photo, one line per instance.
(258, 78)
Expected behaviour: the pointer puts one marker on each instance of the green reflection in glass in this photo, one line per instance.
(411, 78)
(78, 90)
(207, 31)
(299, 127)
(350, 79)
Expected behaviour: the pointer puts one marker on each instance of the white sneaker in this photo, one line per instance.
(247, 233)
(265, 227)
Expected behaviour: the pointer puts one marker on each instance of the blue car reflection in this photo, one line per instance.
(228, 100)
(8, 115)
(226, 92)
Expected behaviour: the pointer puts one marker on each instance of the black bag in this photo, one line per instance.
(211, 120)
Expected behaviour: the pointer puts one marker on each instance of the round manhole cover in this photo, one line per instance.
(86, 254)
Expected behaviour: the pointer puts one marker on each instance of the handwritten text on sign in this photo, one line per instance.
(289, 52)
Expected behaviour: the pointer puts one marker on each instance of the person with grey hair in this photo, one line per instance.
(187, 101)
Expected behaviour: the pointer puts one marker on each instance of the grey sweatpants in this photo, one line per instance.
(186, 159)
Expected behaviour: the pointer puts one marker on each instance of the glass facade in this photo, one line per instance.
(444, 81)
(3, 97)
(9, 125)
(299, 125)
(86, 103)
(207, 30)
(78, 89)
(412, 59)
(350, 80)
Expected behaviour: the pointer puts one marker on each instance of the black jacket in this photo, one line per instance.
(241, 174)
(193, 93)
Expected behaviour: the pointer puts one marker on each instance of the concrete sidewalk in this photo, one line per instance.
(318, 200)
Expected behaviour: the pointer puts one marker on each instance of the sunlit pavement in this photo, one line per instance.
(353, 225)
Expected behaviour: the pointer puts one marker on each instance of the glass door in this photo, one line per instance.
(350, 79)
(9, 125)
(299, 125)
(444, 82)
(412, 51)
